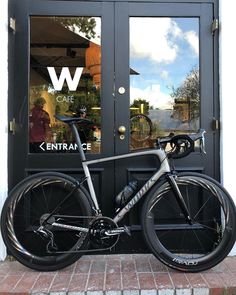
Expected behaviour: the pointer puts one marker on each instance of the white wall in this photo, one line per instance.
(228, 96)
(3, 108)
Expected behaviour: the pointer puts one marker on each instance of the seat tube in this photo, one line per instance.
(85, 167)
(78, 141)
(90, 186)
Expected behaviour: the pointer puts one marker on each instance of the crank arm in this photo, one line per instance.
(118, 231)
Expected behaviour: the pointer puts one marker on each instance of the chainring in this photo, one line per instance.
(98, 238)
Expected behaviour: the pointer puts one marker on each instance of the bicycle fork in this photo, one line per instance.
(179, 198)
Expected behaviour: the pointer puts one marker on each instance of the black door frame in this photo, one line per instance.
(49, 7)
(22, 163)
(21, 55)
(117, 55)
(208, 70)
(127, 170)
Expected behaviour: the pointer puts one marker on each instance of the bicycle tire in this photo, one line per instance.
(140, 131)
(190, 247)
(23, 211)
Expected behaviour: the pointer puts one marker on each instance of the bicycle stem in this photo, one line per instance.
(179, 198)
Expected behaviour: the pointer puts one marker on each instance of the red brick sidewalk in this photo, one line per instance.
(137, 274)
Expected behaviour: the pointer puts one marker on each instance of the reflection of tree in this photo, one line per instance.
(187, 97)
(140, 106)
(85, 25)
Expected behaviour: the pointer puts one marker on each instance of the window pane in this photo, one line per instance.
(65, 79)
(164, 81)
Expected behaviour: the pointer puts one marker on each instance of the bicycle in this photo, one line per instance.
(141, 127)
(50, 219)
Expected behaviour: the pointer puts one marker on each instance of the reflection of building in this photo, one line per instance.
(60, 47)
(182, 110)
(93, 62)
(53, 44)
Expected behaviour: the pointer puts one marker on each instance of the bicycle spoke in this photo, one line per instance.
(38, 204)
(201, 208)
(199, 241)
(182, 239)
(208, 227)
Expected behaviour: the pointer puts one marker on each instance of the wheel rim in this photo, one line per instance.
(30, 206)
(177, 237)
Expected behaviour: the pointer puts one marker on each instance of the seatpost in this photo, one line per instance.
(78, 141)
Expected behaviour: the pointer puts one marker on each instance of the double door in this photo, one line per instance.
(138, 70)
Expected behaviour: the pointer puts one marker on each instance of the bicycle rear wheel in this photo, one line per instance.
(179, 244)
(28, 206)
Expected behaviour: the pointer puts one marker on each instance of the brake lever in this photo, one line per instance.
(200, 135)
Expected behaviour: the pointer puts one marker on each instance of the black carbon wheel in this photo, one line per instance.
(29, 205)
(179, 244)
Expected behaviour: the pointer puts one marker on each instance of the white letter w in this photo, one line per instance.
(65, 75)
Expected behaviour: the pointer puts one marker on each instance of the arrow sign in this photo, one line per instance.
(41, 146)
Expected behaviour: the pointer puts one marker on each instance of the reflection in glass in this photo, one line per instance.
(164, 53)
(65, 79)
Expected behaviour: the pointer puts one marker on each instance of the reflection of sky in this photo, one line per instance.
(162, 51)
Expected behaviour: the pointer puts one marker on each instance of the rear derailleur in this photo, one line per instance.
(46, 234)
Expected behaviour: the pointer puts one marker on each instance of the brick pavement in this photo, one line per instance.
(129, 274)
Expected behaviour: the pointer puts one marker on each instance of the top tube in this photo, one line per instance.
(159, 153)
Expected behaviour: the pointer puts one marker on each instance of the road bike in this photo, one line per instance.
(141, 127)
(50, 219)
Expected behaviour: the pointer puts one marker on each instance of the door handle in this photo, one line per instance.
(12, 126)
(122, 130)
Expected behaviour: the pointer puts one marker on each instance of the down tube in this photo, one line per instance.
(164, 169)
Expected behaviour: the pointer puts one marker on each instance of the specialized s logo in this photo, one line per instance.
(65, 76)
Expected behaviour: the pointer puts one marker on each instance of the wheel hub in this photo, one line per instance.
(44, 217)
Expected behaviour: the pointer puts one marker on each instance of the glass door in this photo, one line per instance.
(65, 79)
(164, 76)
(163, 85)
(64, 64)
(138, 70)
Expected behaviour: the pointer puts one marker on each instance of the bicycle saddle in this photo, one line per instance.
(72, 120)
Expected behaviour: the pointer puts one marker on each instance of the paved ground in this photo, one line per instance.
(137, 274)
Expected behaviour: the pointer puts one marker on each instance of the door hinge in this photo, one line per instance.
(12, 24)
(214, 26)
(215, 125)
(12, 126)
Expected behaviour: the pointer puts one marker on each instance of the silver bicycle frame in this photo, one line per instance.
(159, 153)
(164, 168)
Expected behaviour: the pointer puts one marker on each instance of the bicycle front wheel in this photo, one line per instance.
(190, 246)
(28, 206)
